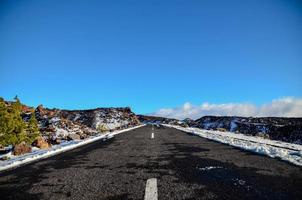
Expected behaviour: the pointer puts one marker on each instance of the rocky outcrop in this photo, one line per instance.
(56, 124)
(190, 122)
(73, 136)
(41, 143)
(21, 148)
(276, 128)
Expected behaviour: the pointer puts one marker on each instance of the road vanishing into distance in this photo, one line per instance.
(154, 163)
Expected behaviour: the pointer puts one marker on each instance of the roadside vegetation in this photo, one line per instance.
(13, 129)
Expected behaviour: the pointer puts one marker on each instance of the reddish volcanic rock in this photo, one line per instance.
(41, 143)
(21, 148)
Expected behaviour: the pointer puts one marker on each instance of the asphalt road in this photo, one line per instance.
(185, 166)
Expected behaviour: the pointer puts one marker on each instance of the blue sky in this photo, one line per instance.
(149, 54)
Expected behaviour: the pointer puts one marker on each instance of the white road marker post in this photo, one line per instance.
(151, 189)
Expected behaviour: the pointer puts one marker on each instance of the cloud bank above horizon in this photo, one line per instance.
(282, 107)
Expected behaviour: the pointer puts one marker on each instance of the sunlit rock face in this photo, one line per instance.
(62, 124)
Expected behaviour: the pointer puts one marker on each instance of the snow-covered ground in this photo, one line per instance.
(36, 154)
(276, 149)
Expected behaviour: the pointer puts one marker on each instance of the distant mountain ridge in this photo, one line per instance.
(276, 128)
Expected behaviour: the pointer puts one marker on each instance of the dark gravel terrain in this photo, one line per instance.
(186, 166)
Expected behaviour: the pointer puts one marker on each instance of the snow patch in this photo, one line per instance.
(233, 126)
(76, 117)
(61, 132)
(276, 149)
(111, 123)
(54, 120)
(209, 168)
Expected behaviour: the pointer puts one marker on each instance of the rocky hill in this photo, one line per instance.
(56, 124)
(276, 128)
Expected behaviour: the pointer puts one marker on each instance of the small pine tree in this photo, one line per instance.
(7, 124)
(18, 131)
(32, 128)
(13, 129)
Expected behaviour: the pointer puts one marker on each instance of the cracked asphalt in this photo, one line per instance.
(186, 167)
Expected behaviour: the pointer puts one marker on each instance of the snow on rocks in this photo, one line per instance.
(276, 128)
(59, 124)
(62, 130)
(209, 168)
(276, 149)
(10, 161)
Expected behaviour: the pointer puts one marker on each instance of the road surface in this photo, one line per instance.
(182, 166)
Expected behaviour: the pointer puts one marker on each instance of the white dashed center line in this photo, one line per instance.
(151, 189)
(152, 135)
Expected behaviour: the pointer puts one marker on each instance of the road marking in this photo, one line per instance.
(151, 189)
(152, 135)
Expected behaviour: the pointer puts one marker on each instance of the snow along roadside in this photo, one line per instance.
(37, 154)
(276, 149)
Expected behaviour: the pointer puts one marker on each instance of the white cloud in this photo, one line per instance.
(283, 107)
